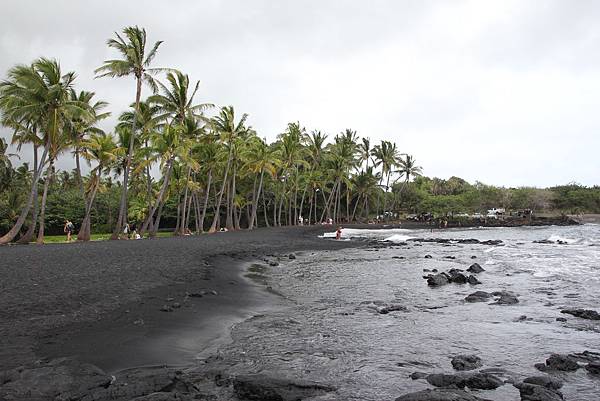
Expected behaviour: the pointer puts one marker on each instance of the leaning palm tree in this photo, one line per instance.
(260, 159)
(41, 93)
(135, 61)
(99, 148)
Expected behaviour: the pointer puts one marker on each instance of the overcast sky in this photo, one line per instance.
(504, 92)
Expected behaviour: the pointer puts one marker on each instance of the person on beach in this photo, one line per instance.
(133, 230)
(338, 233)
(68, 229)
(126, 231)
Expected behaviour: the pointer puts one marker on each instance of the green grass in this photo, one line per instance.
(62, 239)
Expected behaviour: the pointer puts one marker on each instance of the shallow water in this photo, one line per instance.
(330, 333)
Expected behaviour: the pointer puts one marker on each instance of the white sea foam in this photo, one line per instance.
(398, 238)
(558, 238)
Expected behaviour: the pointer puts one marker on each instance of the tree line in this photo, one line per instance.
(215, 170)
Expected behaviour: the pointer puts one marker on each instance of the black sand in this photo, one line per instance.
(101, 301)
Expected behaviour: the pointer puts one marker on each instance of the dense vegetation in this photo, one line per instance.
(215, 170)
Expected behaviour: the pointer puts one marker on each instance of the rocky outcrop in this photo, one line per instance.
(534, 392)
(438, 280)
(440, 394)
(582, 313)
(593, 367)
(478, 296)
(466, 362)
(560, 362)
(260, 387)
(481, 381)
(505, 298)
(475, 268)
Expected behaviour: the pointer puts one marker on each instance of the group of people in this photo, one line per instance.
(130, 230)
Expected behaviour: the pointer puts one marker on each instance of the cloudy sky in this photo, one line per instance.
(504, 92)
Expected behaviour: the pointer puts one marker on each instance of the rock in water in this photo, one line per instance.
(544, 381)
(593, 367)
(437, 280)
(473, 280)
(440, 394)
(260, 387)
(534, 392)
(506, 298)
(466, 362)
(480, 381)
(428, 256)
(291, 256)
(478, 296)
(475, 268)
(583, 313)
(559, 362)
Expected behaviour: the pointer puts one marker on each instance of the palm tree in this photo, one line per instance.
(386, 155)
(261, 159)
(80, 128)
(40, 93)
(134, 62)
(225, 124)
(99, 148)
(408, 168)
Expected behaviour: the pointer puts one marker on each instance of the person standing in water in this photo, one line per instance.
(338, 233)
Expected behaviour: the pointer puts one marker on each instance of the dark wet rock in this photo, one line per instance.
(543, 241)
(273, 263)
(473, 280)
(456, 276)
(473, 257)
(434, 270)
(428, 256)
(505, 298)
(534, 392)
(583, 313)
(586, 356)
(438, 280)
(175, 305)
(384, 310)
(561, 362)
(468, 241)
(195, 294)
(166, 308)
(561, 319)
(480, 381)
(165, 396)
(291, 256)
(544, 381)
(522, 318)
(478, 296)
(466, 362)
(426, 270)
(397, 257)
(60, 379)
(418, 375)
(450, 257)
(440, 394)
(593, 367)
(260, 387)
(475, 268)
(491, 242)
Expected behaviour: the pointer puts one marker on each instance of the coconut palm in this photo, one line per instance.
(408, 168)
(261, 159)
(101, 149)
(225, 124)
(135, 62)
(40, 93)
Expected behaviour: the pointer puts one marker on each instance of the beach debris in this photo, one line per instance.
(475, 268)
(466, 362)
(478, 296)
(562, 362)
(582, 313)
(266, 388)
(440, 394)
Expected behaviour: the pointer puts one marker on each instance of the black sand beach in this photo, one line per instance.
(102, 301)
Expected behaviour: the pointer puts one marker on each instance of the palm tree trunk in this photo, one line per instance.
(265, 210)
(159, 199)
(213, 226)
(12, 233)
(187, 216)
(355, 206)
(85, 230)
(310, 207)
(28, 236)
(78, 172)
(149, 188)
(122, 219)
(40, 238)
(185, 201)
(231, 196)
(255, 201)
(205, 200)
